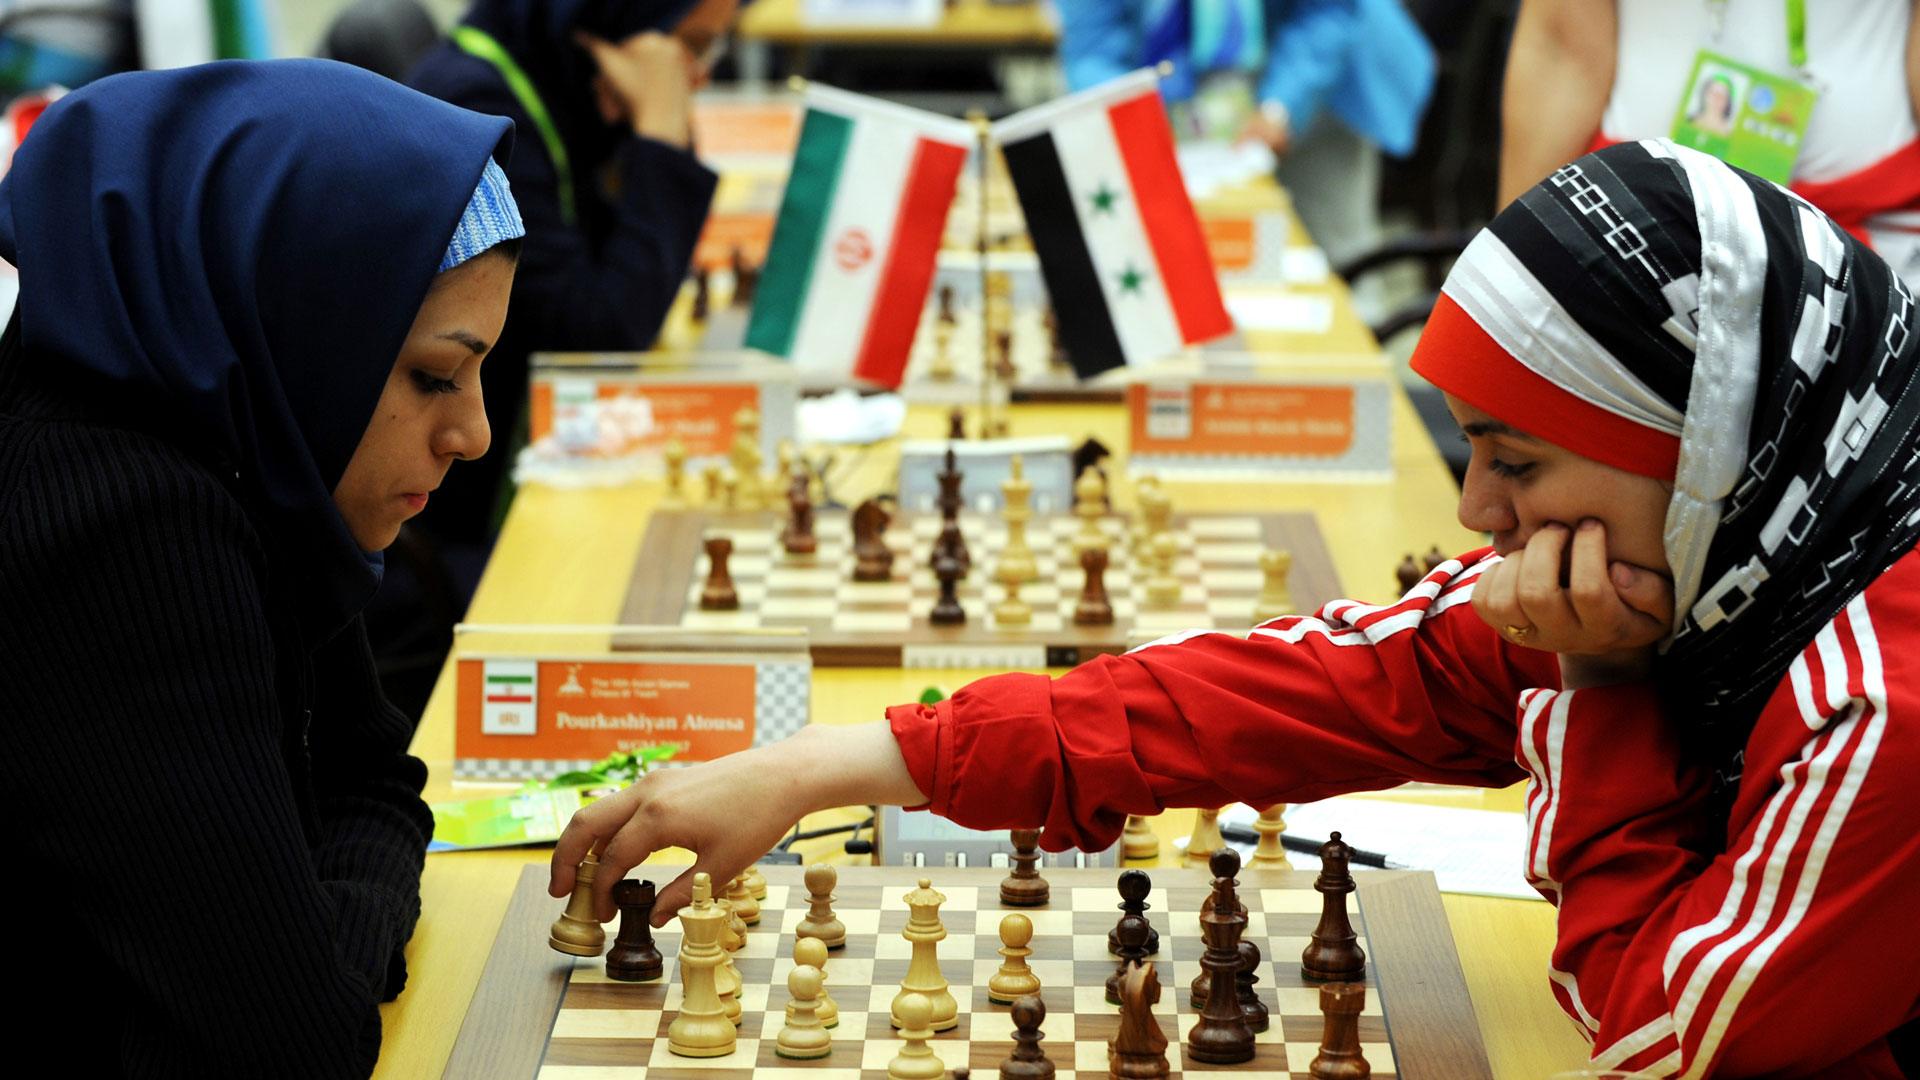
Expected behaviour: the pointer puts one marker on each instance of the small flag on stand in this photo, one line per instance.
(860, 224)
(1119, 242)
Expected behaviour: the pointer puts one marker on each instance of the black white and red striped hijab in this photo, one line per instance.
(1653, 308)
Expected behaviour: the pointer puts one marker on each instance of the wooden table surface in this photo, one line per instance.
(965, 24)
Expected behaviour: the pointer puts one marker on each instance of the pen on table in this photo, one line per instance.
(1240, 834)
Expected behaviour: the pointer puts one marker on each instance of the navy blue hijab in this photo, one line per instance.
(233, 255)
(539, 34)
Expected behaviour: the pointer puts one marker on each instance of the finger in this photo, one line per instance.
(626, 849)
(1494, 594)
(1596, 604)
(1647, 593)
(582, 834)
(1542, 599)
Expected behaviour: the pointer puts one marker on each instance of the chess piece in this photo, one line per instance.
(821, 922)
(1017, 563)
(675, 457)
(1206, 838)
(1432, 559)
(1028, 1061)
(1275, 600)
(872, 558)
(727, 982)
(1139, 1049)
(1089, 505)
(1269, 854)
(701, 1029)
(951, 501)
(1139, 840)
(1334, 953)
(746, 458)
(916, 1060)
(1133, 949)
(947, 315)
(757, 884)
(1251, 1006)
(1024, 887)
(1134, 886)
(1013, 611)
(729, 490)
(803, 1037)
(812, 952)
(702, 295)
(1407, 573)
(1003, 368)
(1094, 608)
(798, 538)
(1156, 517)
(745, 907)
(719, 594)
(957, 424)
(1221, 1037)
(1163, 588)
(1146, 490)
(1339, 1057)
(923, 979)
(576, 932)
(711, 476)
(634, 958)
(947, 610)
(1015, 979)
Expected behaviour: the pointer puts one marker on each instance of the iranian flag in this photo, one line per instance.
(853, 249)
(1119, 243)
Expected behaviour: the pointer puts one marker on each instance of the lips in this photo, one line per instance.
(416, 499)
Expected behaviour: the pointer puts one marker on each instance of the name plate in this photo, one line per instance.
(534, 717)
(1293, 425)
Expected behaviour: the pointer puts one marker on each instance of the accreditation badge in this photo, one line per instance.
(1744, 116)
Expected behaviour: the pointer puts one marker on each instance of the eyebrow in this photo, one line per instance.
(473, 344)
(1481, 428)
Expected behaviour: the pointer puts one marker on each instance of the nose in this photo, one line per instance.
(1484, 504)
(466, 434)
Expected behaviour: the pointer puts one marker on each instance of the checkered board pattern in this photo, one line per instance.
(886, 623)
(599, 1029)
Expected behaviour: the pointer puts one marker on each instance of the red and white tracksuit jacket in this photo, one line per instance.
(1784, 941)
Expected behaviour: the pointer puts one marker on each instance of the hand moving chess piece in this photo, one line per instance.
(821, 922)
(1024, 887)
(576, 932)
(1134, 886)
(1093, 607)
(1139, 1050)
(718, 594)
(1334, 953)
(803, 1037)
(1206, 838)
(1015, 979)
(872, 558)
(1270, 854)
(1221, 1037)
(925, 932)
(812, 952)
(916, 1060)
(1339, 1057)
(634, 958)
(701, 1029)
(1028, 1061)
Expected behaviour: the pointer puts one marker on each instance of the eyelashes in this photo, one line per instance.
(1502, 468)
(429, 384)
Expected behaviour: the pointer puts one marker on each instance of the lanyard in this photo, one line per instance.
(478, 43)
(1796, 29)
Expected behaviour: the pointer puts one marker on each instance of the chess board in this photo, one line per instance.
(540, 1015)
(885, 624)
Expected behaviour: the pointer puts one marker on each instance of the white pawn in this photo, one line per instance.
(916, 1060)
(1015, 979)
(1275, 600)
(812, 952)
(803, 1036)
(1206, 838)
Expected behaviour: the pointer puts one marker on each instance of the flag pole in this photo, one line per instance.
(984, 132)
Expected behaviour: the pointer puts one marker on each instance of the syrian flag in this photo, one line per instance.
(859, 227)
(1119, 243)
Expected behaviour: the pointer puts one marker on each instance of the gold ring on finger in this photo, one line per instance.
(1518, 634)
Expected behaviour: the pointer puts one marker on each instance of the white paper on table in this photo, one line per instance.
(1281, 311)
(1479, 852)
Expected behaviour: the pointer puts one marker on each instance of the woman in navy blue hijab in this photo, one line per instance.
(254, 300)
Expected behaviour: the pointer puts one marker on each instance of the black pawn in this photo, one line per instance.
(1028, 1061)
(1134, 887)
(1133, 947)
(1024, 887)
(1334, 953)
(633, 957)
(1251, 1006)
(947, 610)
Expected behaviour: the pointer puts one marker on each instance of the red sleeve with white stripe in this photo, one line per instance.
(1351, 699)
(1783, 943)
